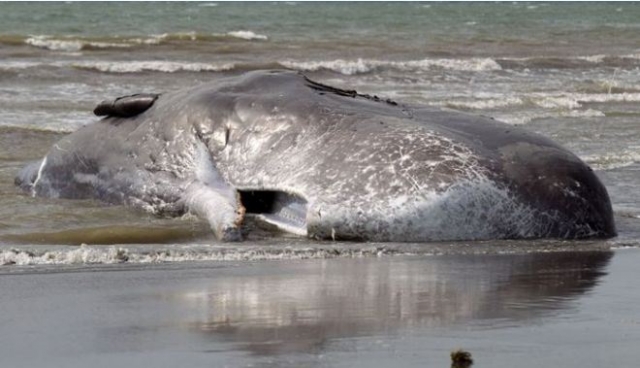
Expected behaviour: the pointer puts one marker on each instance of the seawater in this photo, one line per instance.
(568, 71)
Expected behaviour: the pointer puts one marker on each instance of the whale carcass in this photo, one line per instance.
(324, 162)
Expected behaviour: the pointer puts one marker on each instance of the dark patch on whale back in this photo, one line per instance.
(323, 88)
(126, 106)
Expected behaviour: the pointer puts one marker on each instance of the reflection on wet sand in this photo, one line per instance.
(308, 304)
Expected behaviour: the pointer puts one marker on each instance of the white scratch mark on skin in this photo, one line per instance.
(38, 177)
(59, 148)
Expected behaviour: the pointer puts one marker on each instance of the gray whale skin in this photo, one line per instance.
(326, 163)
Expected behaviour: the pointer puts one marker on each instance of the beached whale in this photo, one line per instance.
(324, 162)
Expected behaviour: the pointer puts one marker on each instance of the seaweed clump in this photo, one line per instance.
(461, 359)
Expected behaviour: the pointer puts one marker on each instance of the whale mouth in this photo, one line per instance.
(286, 211)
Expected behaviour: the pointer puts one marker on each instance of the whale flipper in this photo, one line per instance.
(126, 106)
(214, 203)
(210, 197)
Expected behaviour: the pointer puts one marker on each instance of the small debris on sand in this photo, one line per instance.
(461, 359)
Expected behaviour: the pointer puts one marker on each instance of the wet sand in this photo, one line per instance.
(557, 309)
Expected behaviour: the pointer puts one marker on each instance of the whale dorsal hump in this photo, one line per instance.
(126, 106)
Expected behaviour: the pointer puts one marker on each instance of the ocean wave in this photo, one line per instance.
(151, 66)
(568, 62)
(588, 113)
(473, 64)
(122, 67)
(595, 59)
(343, 67)
(483, 103)
(612, 160)
(593, 92)
(247, 35)
(574, 101)
(70, 44)
(80, 43)
(361, 66)
(563, 104)
(521, 117)
(199, 37)
(51, 44)
(346, 67)
(17, 65)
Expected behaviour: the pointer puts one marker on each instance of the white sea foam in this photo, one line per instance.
(361, 66)
(484, 103)
(153, 65)
(588, 113)
(69, 45)
(81, 255)
(596, 59)
(546, 104)
(576, 100)
(46, 42)
(18, 65)
(609, 97)
(152, 40)
(191, 36)
(471, 64)
(346, 67)
(555, 102)
(247, 35)
(87, 254)
(593, 59)
(526, 116)
(612, 160)
(103, 45)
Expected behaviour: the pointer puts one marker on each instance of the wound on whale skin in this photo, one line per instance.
(324, 162)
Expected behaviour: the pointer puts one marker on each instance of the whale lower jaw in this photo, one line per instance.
(285, 211)
(283, 224)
